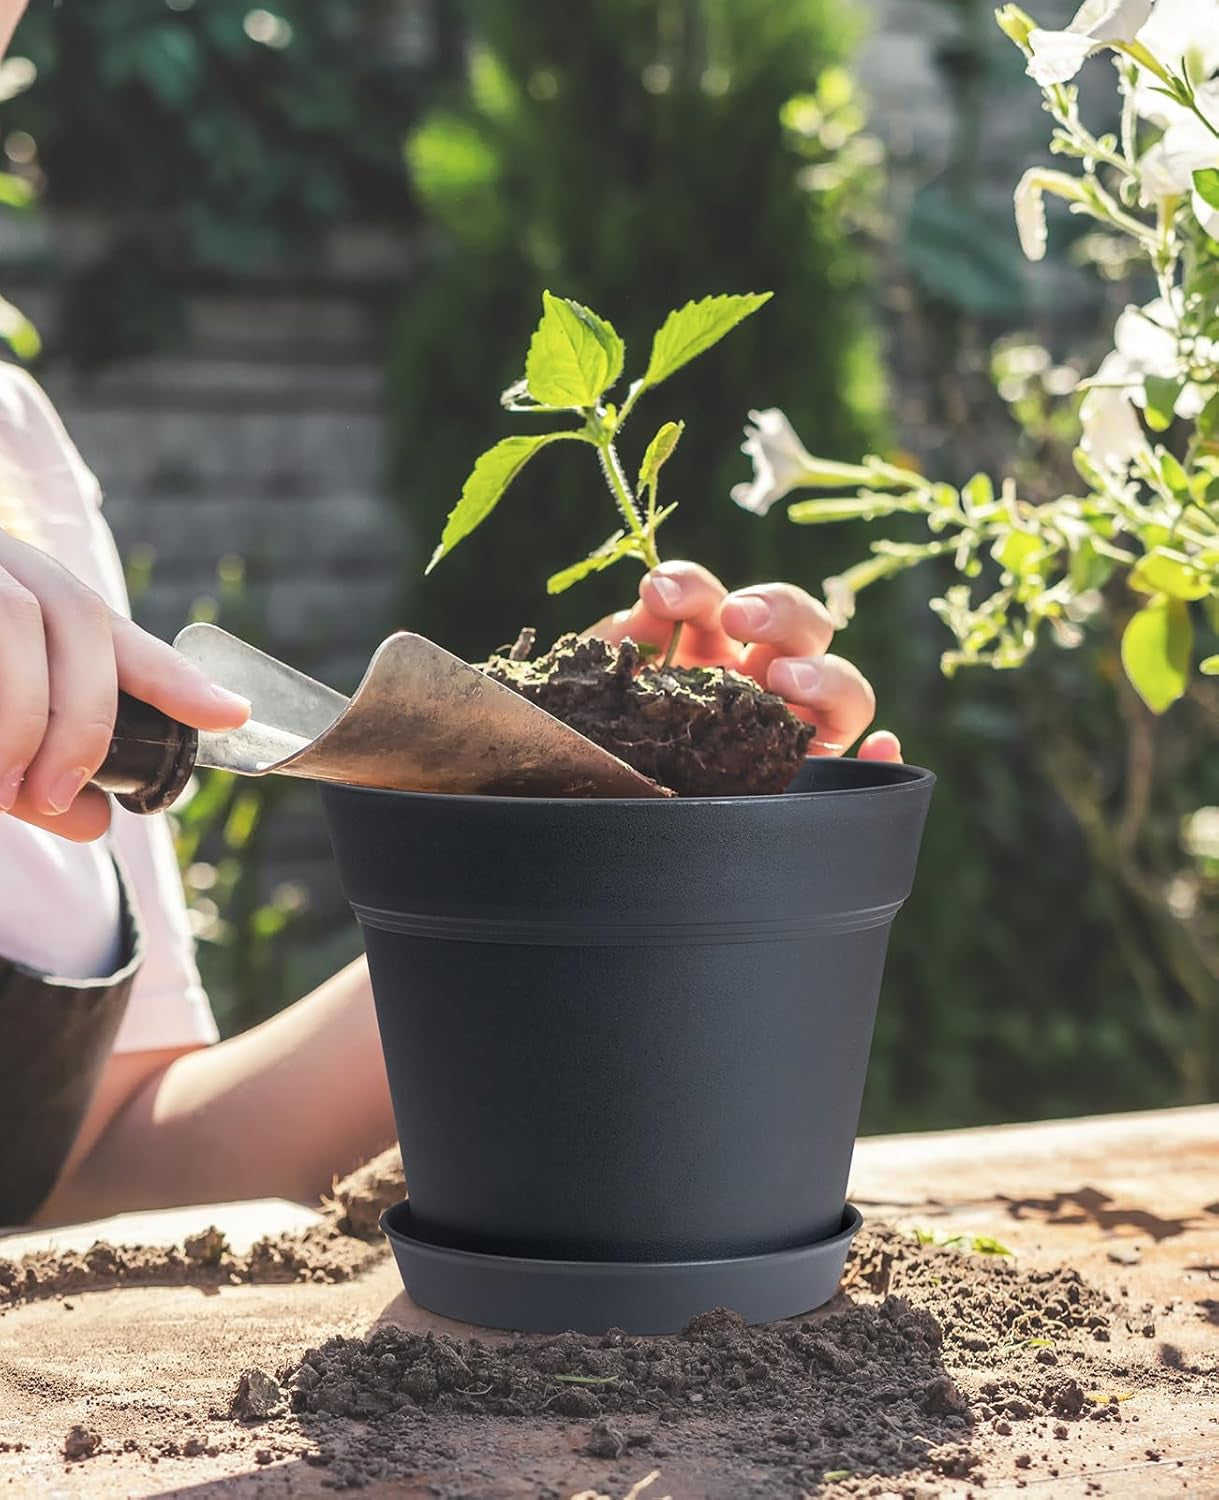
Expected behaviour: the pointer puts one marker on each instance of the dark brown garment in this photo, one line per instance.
(56, 1036)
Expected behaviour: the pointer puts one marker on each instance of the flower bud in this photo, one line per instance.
(1016, 24)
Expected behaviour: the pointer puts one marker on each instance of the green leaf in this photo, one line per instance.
(689, 331)
(1163, 571)
(1089, 568)
(15, 192)
(660, 450)
(977, 493)
(606, 335)
(1156, 647)
(618, 546)
(1209, 666)
(573, 355)
(489, 478)
(1206, 185)
(1018, 552)
(849, 508)
(1208, 421)
(1162, 392)
(18, 332)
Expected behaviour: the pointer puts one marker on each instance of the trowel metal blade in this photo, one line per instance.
(421, 720)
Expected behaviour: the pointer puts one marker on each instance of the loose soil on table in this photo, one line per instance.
(934, 1371)
(699, 731)
(939, 1352)
(337, 1250)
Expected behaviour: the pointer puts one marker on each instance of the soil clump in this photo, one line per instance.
(358, 1201)
(698, 731)
(933, 1351)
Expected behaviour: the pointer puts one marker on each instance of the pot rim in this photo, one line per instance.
(916, 778)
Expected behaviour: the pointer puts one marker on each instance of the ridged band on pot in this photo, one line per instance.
(630, 1031)
(552, 1296)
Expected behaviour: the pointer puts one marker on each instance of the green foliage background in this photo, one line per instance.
(629, 153)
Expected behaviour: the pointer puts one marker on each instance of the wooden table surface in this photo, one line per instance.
(1132, 1201)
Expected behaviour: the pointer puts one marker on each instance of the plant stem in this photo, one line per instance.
(611, 467)
(672, 649)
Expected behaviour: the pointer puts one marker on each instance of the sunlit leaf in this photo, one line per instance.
(489, 478)
(573, 356)
(617, 547)
(660, 450)
(692, 329)
(1166, 572)
(1156, 647)
(18, 332)
(1206, 185)
(1162, 393)
(1019, 552)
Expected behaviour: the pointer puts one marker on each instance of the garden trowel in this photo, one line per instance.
(422, 720)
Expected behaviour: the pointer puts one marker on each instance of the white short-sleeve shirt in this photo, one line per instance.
(59, 901)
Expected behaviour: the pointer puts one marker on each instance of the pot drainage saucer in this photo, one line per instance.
(585, 1296)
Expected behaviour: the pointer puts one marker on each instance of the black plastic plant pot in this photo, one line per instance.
(627, 1040)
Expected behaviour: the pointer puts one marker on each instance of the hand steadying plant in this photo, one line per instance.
(772, 632)
(575, 357)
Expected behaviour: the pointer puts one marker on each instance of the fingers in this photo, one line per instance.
(827, 691)
(683, 591)
(673, 592)
(83, 695)
(779, 616)
(778, 620)
(881, 746)
(24, 685)
(63, 656)
(155, 672)
(87, 819)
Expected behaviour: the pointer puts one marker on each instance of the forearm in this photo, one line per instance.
(275, 1112)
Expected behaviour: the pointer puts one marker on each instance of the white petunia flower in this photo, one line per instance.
(1146, 343)
(1030, 206)
(1166, 170)
(1178, 32)
(1059, 55)
(1112, 433)
(780, 461)
(1030, 215)
(839, 601)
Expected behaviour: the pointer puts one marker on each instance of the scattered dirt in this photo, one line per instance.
(81, 1442)
(938, 1352)
(320, 1253)
(699, 731)
(258, 1398)
(358, 1202)
(334, 1251)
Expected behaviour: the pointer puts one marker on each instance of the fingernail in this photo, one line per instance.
(755, 612)
(669, 590)
(63, 793)
(225, 699)
(804, 677)
(10, 787)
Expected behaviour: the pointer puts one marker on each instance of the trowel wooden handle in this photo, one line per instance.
(150, 760)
